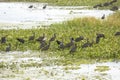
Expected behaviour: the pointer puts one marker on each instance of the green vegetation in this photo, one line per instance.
(2, 65)
(102, 68)
(108, 48)
(68, 2)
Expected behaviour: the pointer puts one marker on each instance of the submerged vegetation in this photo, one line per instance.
(107, 48)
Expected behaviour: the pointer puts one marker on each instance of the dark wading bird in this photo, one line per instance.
(42, 44)
(31, 6)
(79, 38)
(20, 40)
(87, 44)
(106, 4)
(44, 7)
(117, 34)
(8, 48)
(32, 37)
(114, 8)
(41, 38)
(97, 39)
(103, 17)
(46, 47)
(113, 1)
(61, 44)
(73, 49)
(99, 36)
(3, 39)
(68, 45)
(52, 38)
(98, 5)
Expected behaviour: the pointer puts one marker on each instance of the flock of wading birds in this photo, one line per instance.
(45, 45)
(114, 8)
(72, 45)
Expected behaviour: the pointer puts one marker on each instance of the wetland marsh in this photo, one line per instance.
(24, 60)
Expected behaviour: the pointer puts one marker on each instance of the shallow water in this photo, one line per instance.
(18, 15)
(54, 72)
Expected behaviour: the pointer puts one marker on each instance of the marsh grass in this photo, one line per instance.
(108, 48)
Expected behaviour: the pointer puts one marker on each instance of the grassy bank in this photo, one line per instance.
(68, 2)
(108, 47)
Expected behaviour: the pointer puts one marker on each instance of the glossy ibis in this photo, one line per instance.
(41, 38)
(52, 38)
(46, 47)
(97, 39)
(20, 40)
(58, 42)
(31, 6)
(79, 38)
(106, 4)
(73, 49)
(114, 8)
(87, 44)
(32, 37)
(117, 34)
(61, 44)
(98, 5)
(68, 45)
(44, 7)
(3, 39)
(103, 17)
(100, 35)
(113, 1)
(42, 44)
(8, 48)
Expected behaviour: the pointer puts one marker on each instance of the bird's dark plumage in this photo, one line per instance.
(41, 38)
(20, 40)
(44, 7)
(113, 1)
(114, 8)
(68, 45)
(8, 48)
(31, 6)
(42, 44)
(97, 39)
(73, 49)
(98, 5)
(60, 44)
(32, 37)
(117, 34)
(79, 39)
(46, 47)
(106, 4)
(99, 36)
(103, 17)
(3, 39)
(87, 44)
(52, 38)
